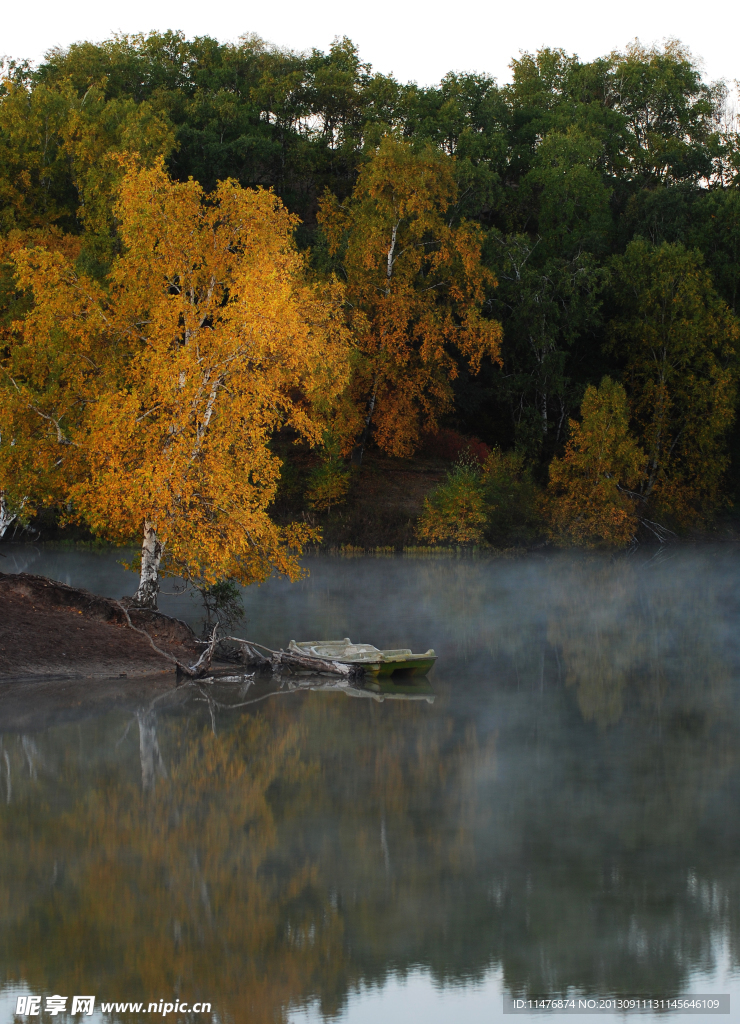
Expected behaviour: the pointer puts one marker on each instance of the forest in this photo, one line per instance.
(238, 283)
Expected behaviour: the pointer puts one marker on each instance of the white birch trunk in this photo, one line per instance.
(359, 450)
(6, 516)
(152, 764)
(151, 556)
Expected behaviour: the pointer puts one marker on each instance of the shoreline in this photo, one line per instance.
(51, 631)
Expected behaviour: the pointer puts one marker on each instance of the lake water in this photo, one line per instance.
(562, 820)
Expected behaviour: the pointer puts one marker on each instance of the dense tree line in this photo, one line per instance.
(502, 248)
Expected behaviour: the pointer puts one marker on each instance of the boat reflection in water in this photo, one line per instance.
(221, 691)
(378, 690)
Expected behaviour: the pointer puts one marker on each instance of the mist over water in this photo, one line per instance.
(564, 818)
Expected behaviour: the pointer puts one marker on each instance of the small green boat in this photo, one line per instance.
(375, 662)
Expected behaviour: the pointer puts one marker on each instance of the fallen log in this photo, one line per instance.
(251, 657)
(290, 660)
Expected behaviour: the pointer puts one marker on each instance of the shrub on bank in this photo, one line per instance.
(455, 511)
(451, 446)
(498, 501)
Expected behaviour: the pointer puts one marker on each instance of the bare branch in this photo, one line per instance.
(200, 667)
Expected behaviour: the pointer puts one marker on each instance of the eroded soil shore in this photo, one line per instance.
(49, 630)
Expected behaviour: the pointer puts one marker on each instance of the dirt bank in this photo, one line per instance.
(385, 500)
(48, 629)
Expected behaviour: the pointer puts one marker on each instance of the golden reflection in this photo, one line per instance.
(563, 810)
(165, 859)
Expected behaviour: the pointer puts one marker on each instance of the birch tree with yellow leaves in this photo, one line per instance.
(147, 406)
(415, 291)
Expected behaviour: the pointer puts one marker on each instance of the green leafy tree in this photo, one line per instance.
(678, 341)
(455, 511)
(547, 306)
(714, 229)
(513, 498)
(223, 603)
(330, 480)
(670, 113)
(60, 154)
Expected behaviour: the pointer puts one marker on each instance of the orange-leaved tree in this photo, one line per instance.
(20, 473)
(149, 404)
(415, 287)
(589, 487)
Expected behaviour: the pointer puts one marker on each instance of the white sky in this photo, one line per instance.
(413, 39)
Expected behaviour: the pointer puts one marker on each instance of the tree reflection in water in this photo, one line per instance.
(566, 809)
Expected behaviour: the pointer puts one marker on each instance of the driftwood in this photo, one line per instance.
(291, 660)
(250, 656)
(194, 671)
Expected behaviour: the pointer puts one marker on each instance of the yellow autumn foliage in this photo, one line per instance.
(588, 500)
(153, 399)
(415, 288)
(455, 511)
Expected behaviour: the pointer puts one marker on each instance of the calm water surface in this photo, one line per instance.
(564, 818)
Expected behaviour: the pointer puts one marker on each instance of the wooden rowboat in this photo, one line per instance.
(375, 662)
